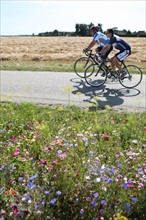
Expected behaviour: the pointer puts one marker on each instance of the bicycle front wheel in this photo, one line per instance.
(132, 78)
(97, 77)
(81, 64)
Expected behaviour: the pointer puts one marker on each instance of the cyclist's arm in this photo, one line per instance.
(93, 42)
(106, 47)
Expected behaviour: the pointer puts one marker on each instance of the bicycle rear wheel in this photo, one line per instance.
(81, 64)
(97, 77)
(132, 78)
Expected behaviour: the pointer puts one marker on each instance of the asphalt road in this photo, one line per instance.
(52, 88)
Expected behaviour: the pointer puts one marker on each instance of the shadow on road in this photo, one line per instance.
(102, 96)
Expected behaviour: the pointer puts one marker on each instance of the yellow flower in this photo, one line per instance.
(120, 217)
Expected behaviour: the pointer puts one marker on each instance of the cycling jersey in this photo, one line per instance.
(101, 39)
(119, 43)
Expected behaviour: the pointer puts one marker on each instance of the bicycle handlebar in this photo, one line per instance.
(88, 52)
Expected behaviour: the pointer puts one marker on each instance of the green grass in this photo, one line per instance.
(64, 163)
(55, 66)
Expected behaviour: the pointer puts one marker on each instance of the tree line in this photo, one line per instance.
(83, 30)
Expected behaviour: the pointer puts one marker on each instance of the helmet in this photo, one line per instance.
(94, 28)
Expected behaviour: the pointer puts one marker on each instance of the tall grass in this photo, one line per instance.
(66, 163)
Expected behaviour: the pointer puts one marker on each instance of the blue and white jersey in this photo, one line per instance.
(101, 38)
(119, 43)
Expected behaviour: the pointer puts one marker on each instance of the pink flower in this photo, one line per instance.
(23, 159)
(145, 128)
(43, 162)
(62, 156)
(17, 152)
(106, 136)
(13, 139)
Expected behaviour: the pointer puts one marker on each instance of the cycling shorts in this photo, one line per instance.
(122, 54)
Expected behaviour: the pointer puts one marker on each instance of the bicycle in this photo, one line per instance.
(82, 63)
(97, 74)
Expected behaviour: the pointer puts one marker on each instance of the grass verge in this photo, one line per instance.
(55, 66)
(63, 163)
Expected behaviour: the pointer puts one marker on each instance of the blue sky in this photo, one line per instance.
(20, 17)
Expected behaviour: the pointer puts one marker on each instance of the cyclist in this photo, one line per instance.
(98, 38)
(119, 44)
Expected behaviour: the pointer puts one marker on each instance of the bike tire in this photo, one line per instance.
(97, 77)
(133, 77)
(81, 64)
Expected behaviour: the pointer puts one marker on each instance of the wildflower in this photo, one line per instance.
(125, 185)
(103, 202)
(113, 170)
(119, 166)
(20, 179)
(82, 211)
(62, 156)
(43, 162)
(27, 198)
(106, 136)
(80, 135)
(85, 139)
(58, 193)
(59, 151)
(23, 159)
(97, 180)
(13, 139)
(12, 192)
(134, 199)
(15, 210)
(53, 201)
(36, 206)
(31, 178)
(96, 195)
(17, 152)
(145, 128)
(93, 202)
(91, 153)
(110, 180)
(127, 206)
(30, 185)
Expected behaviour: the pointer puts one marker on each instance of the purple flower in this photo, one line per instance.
(36, 206)
(53, 201)
(58, 193)
(103, 202)
(91, 153)
(82, 211)
(31, 178)
(27, 198)
(119, 166)
(30, 185)
(46, 192)
(93, 203)
(134, 199)
(96, 195)
(113, 170)
(110, 180)
(125, 185)
(127, 206)
(20, 179)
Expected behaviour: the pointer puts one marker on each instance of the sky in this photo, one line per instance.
(27, 17)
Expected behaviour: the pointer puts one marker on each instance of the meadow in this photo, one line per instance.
(65, 162)
(56, 53)
(68, 163)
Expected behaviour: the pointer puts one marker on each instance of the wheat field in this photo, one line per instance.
(64, 49)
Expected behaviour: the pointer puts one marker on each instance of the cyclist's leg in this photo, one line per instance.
(98, 49)
(121, 56)
(107, 52)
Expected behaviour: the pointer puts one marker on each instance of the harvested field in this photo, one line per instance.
(64, 49)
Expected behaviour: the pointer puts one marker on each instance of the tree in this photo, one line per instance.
(99, 25)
